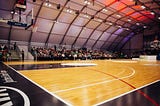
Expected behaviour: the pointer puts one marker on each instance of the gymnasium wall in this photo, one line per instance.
(139, 41)
(134, 44)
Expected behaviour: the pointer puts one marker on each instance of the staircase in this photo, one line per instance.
(14, 55)
(27, 54)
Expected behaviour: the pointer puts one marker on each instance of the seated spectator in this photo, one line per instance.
(72, 54)
(2, 47)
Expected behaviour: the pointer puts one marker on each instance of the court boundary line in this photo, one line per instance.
(126, 93)
(139, 91)
(53, 94)
(124, 61)
(88, 85)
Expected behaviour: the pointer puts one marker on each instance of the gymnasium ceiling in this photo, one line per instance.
(100, 24)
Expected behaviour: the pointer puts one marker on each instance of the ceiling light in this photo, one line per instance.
(137, 23)
(110, 23)
(55, 21)
(69, 10)
(48, 4)
(104, 10)
(159, 18)
(99, 20)
(12, 12)
(119, 26)
(119, 16)
(15, 13)
(152, 13)
(87, 2)
(129, 20)
(144, 26)
(143, 7)
(86, 16)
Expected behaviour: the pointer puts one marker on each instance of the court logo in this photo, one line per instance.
(10, 96)
(5, 77)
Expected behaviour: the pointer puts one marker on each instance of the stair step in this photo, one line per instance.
(14, 55)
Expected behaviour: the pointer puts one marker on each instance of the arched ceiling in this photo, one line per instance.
(101, 24)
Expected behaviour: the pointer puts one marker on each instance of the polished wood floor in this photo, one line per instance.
(86, 86)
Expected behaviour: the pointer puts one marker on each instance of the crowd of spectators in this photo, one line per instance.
(5, 55)
(41, 53)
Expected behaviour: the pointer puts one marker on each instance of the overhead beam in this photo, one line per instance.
(116, 47)
(140, 30)
(137, 30)
(49, 34)
(116, 37)
(139, 12)
(98, 25)
(107, 40)
(128, 15)
(71, 24)
(78, 35)
(115, 22)
(99, 37)
(90, 35)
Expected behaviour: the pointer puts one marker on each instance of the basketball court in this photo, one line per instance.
(79, 53)
(84, 83)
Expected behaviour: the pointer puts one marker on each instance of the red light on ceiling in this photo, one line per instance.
(128, 2)
(136, 15)
(107, 2)
(148, 14)
(127, 11)
(143, 19)
(137, 7)
(118, 5)
(145, 12)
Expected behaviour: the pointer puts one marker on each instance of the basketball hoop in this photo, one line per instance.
(30, 19)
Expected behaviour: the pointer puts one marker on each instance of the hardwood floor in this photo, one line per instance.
(85, 86)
